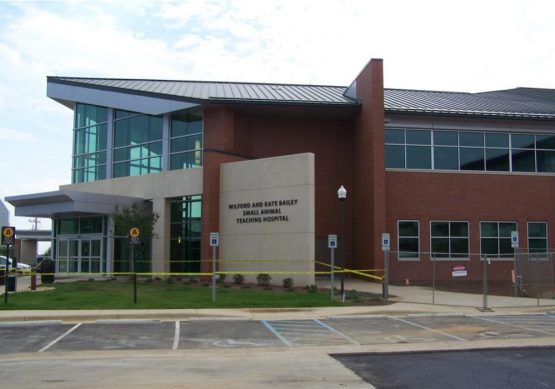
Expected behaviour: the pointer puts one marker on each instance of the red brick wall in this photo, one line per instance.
(368, 190)
(219, 142)
(428, 196)
(330, 141)
(237, 135)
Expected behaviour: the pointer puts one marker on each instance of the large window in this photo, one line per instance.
(186, 141)
(408, 239)
(495, 239)
(185, 226)
(469, 150)
(137, 144)
(449, 239)
(79, 225)
(89, 143)
(537, 237)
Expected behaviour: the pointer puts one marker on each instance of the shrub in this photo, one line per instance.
(238, 279)
(263, 279)
(353, 295)
(311, 288)
(288, 283)
(221, 278)
(170, 281)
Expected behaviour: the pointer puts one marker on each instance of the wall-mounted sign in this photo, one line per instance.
(269, 211)
(459, 271)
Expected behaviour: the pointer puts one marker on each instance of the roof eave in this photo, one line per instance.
(471, 114)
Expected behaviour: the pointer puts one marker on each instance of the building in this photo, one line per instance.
(448, 175)
(4, 215)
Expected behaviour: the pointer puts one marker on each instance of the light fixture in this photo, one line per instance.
(342, 193)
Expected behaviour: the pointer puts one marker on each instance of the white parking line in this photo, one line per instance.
(59, 338)
(176, 336)
(431, 329)
(514, 325)
(337, 332)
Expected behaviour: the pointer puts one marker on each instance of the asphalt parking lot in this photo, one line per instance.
(44, 337)
(491, 369)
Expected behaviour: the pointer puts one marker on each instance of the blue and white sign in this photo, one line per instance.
(214, 239)
(514, 239)
(386, 241)
(332, 241)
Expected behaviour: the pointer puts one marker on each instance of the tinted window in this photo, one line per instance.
(446, 158)
(395, 136)
(446, 138)
(395, 156)
(472, 139)
(418, 137)
(419, 157)
(497, 140)
(472, 159)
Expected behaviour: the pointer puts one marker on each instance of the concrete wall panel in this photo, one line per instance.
(254, 190)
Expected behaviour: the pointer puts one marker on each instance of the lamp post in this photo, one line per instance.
(342, 195)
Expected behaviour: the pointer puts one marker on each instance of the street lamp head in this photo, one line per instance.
(342, 193)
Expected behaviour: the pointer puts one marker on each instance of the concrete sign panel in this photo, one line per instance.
(267, 215)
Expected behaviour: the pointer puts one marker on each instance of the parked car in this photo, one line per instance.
(20, 267)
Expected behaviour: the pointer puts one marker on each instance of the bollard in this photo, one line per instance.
(34, 281)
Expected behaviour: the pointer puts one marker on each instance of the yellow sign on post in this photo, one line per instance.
(8, 236)
(134, 232)
(134, 235)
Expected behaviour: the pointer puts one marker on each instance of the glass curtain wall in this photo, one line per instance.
(186, 213)
(186, 141)
(89, 143)
(137, 144)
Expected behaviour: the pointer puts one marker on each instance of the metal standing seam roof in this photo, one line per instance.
(222, 91)
(519, 102)
(509, 103)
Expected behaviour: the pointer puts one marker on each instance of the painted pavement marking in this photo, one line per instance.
(176, 336)
(517, 321)
(277, 334)
(306, 332)
(60, 338)
(431, 329)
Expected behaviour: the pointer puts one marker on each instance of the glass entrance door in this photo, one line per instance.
(79, 255)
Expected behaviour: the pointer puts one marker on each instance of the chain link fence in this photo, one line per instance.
(475, 280)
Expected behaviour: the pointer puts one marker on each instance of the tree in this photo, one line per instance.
(126, 218)
(133, 216)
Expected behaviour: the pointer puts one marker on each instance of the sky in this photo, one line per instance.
(467, 46)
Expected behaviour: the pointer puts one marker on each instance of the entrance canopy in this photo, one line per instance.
(68, 202)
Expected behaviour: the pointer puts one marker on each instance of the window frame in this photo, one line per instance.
(450, 257)
(544, 155)
(546, 237)
(186, 152)
(498, 257)
(416, 258)
(143, 162)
